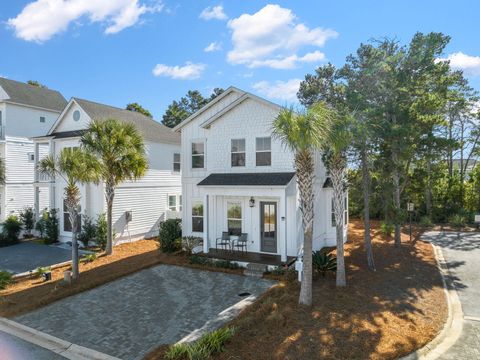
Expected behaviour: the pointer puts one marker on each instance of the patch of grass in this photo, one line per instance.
(90, 257)
(38, 273)
(202, 349)
(5, 279)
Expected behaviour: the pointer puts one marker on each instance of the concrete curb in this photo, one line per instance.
(453, 326)
(51, 343)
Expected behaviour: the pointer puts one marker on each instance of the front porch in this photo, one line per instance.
(249, 257)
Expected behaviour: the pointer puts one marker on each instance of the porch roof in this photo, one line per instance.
(248, 179)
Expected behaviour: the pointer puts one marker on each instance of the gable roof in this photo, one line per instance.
(248, 179)
(244, 95)
(26, 94)
(149, 128)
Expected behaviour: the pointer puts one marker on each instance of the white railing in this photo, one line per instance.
(42, 177)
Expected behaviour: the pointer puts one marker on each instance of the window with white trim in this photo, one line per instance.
(263, 151)
(31, 156)
(176, 162)
(234, 218)
(198, 155)
(172, 202)
(238, 152)
(197, 216)
(42, 119)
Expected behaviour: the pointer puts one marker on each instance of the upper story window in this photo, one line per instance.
(31, 156)
(172, 202)
(198, 155)
(176, 162)
(264, 151)
(42, 119)
(238, 152)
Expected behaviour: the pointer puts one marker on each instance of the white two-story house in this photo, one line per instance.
(25, 111)
(139, 206)
(237, 178)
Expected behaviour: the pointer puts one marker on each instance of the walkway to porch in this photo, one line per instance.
(248, 257)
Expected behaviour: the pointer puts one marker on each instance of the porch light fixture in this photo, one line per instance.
(251, 202)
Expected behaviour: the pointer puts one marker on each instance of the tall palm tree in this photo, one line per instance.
(120, 149)
(75, 167)
(335, 159)
(304, 133)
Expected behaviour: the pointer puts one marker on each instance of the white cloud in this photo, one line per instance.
(40, 20)
(214, 46)
(281, 90)
(215, 12)
(469, 64)
(272, 37)
(189, 71)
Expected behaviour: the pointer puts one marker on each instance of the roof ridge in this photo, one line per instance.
(43, 88)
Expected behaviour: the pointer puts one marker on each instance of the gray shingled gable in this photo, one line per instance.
(30, 95)
(149, 128)
(248, 179)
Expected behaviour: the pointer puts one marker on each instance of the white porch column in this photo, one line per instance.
(283, 224)
(206, 220)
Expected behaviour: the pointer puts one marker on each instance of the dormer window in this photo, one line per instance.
(42, 119)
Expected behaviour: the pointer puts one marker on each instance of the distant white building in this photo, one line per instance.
(237, 178)
(149, 200)
(25, 111)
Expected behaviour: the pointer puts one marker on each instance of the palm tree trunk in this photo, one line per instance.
(366, 209)
(337, 174)
(304, 166)
(72, 213)
(109, 195)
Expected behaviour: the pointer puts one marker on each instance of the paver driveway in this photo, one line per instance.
(462, 254)
(130, 316)
(28, 256)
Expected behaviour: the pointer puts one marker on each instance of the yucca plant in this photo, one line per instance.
(324, 262)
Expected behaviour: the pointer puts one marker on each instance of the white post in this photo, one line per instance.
(205, 224)
(283, 220)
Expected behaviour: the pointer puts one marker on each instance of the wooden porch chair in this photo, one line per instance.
(223, 242)
(241, 243)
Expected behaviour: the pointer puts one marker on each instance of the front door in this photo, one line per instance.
(268, 227)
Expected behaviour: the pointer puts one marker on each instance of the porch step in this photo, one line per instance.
(254, 269)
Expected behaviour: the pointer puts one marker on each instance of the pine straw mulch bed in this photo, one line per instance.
(29, 293)
(379, 315)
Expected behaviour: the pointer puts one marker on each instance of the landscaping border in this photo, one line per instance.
(453, 326)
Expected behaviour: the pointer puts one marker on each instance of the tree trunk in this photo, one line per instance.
(72, 213)
(304, 166)
(337, 174)
(366, 209)
(428, 189)
(109, 195)
(397, 204)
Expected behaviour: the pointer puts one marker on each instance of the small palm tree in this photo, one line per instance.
(120, 150)
(75, 167)
(335, 159)
(303, 134)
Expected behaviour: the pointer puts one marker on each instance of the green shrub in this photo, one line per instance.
(226, 264)
(387, 229)
(203, 348)
(199, 260)
(323, 262)
(101, 225)
(88, 231)
(170, 232)
(457, 221)
(51, 227)
(11, 229)
(190, 242)
(279, 270)
(27, 217)
(5, 279)
(41, 224)
(426, 222)
(90, 257)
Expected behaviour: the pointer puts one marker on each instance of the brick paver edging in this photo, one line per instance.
(52, 343)
(453, 326)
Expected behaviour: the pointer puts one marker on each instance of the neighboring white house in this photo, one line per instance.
(139, 206)
(25, 111)
(236, 177)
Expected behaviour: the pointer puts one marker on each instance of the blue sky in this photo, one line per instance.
(153, 52)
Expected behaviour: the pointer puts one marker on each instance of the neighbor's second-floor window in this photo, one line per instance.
(198, 155)
(238, 152)
(42, 119)
(264, 151)
(176, 162)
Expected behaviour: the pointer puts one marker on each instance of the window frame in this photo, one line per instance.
(202, 155)
(43, 120)
(196, 216)
(237, 152)
(169, 204)
(179, 162)
(240, 219)
(263, 151)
